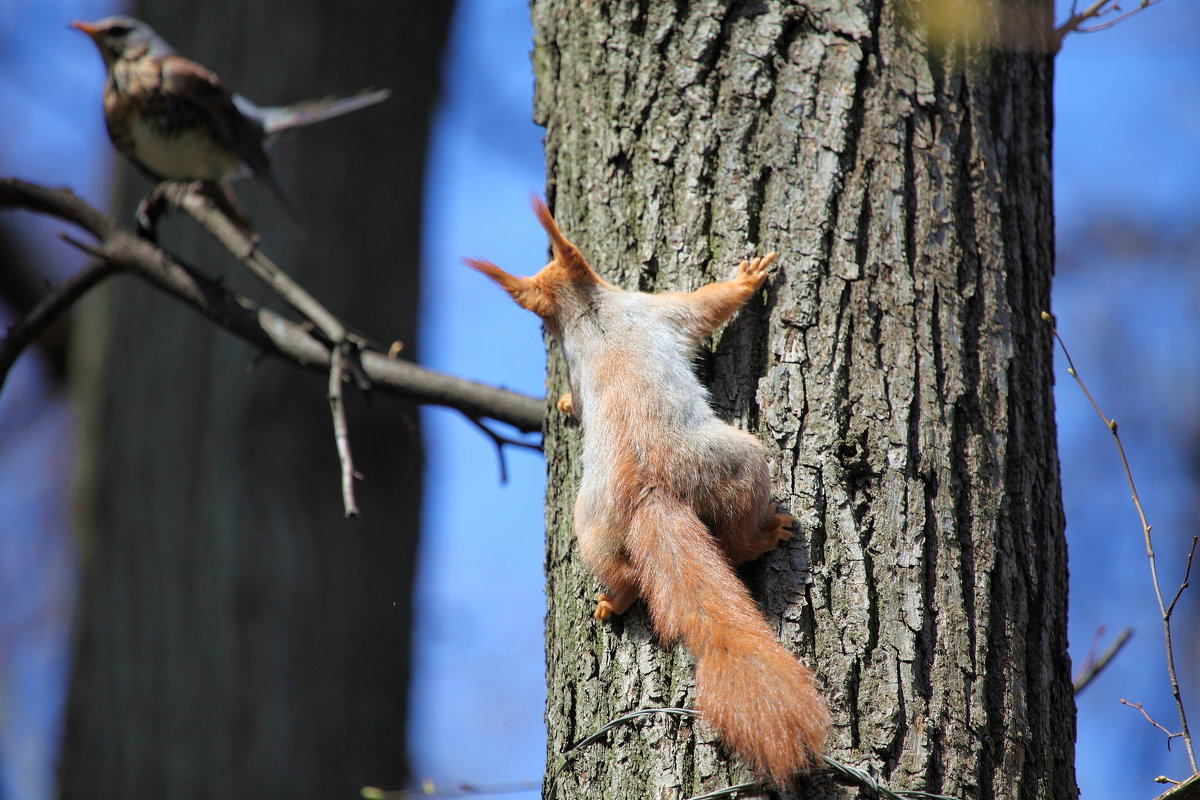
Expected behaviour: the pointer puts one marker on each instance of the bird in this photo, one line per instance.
(175, 119)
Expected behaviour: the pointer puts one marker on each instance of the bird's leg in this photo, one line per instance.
(150, 210)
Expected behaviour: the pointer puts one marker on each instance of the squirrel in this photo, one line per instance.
(671, 497)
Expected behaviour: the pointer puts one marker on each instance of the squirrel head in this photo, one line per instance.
(551, 291)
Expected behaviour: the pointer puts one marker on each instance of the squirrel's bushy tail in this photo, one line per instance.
(760, 699)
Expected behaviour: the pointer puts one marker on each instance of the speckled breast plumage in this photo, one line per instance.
(168, 136)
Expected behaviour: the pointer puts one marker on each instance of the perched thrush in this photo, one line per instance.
(176, 121)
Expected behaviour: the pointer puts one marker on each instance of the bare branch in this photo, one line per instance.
(211, 207)
(1092, 669)
(500, 441)
(1164, 611)
(1074, 23)
(206, 211)
(341, 433)
(266, 330)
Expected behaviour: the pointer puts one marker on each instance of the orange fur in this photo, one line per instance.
(671, 497)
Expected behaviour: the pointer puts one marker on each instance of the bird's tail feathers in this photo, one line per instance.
(762, 701)
(280, 118)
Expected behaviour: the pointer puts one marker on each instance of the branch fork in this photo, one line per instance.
(212, 208)
(323, 342)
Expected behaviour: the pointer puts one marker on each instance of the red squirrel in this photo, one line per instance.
(672, 497)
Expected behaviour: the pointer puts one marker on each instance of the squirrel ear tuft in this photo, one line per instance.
(566, 254)
(525, 291)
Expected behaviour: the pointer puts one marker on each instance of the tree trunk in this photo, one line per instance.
(898, 373)
(237, 637)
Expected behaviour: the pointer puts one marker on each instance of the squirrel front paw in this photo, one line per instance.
(754, 271)
(782, 530)
(566, 404)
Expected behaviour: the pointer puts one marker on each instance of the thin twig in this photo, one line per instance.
(1077, 17)
(867, 781)
(572, 749)
(1099, 8)
(1103, 26)
(26, 330)
(83, 247)
(1183, 584)
(1152, 721)
(1165, 613)
(500, 440)
(728, 791)
(262, 328)
(429, 789)
(1093, 669)
(632, 715)
(341, 433)
(851, 775)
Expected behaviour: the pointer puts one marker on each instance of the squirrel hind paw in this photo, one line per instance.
(604, 610)
(613, 605)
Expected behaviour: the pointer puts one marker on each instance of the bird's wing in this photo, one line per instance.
(241, 132)
(187, 80)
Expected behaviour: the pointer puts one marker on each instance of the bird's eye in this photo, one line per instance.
(119, 30)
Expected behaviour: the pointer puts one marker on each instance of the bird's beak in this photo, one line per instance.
(87, 27)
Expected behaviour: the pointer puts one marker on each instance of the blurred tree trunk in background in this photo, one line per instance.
(898, 373)
(237, 637)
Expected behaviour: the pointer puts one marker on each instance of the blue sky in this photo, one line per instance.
(1126, 139)
(1127, 135)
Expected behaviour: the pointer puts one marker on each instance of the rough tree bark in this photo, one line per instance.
(896, 369)
(237, 637)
